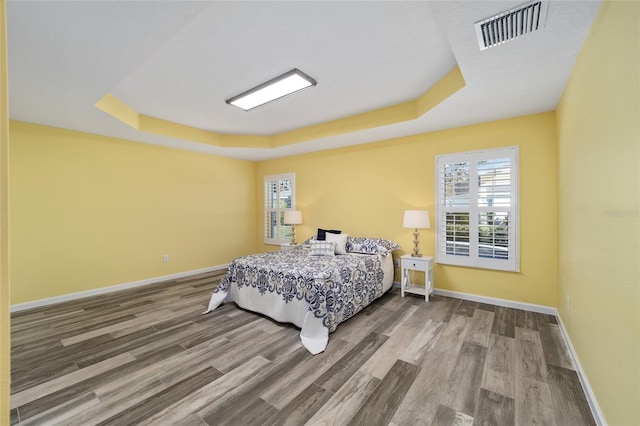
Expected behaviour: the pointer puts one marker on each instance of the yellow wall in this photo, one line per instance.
(364, 190)
(90, 211)
(599, 185)
(5, 353)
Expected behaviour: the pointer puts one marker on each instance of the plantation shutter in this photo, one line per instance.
(453, 215)
(477, 214)
(279, 196)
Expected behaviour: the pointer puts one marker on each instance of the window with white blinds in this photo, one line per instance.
(279, 196)
(477, 209)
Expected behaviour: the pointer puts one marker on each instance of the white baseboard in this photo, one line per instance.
(591, 398)
(492, 300)
(79, 295)
(498, 302)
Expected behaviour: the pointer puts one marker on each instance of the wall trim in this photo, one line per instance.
(492, 300)
(118, 287)
(498, 302)
(591, 397)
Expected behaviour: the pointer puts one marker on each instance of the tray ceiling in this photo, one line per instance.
(178, 61)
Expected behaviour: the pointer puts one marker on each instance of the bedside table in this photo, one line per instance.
(409, 263)
(284, 247)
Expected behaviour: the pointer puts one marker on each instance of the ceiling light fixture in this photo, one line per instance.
(276, 88)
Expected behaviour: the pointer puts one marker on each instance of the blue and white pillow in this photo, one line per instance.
(322, 248)
(370, 245)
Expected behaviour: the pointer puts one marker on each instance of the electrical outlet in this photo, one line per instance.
(165, 258)
(568, 303)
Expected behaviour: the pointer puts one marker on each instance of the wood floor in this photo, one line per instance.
(148, 356)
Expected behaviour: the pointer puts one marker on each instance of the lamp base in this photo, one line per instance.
(416, 244)
(293, 235)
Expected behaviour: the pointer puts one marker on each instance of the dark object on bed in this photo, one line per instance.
(322, 233)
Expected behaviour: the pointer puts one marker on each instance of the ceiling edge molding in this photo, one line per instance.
(445, 87)
(118, 109)
(452, 82)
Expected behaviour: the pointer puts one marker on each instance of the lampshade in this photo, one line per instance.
(416, 219)
(292, 217)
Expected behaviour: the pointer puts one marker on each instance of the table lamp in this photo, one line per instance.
(416, 219)
(293, 218)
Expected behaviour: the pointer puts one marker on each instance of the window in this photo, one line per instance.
(279, 196)
(477, 209)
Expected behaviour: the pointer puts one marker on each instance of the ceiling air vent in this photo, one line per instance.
(511, 24)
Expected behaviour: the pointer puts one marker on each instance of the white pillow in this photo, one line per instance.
(322, 248)
(340, 241)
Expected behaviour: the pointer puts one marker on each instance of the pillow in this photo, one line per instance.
(370, 245)
(322, 233)
(340, 241)
(308, 241)
(322, 248)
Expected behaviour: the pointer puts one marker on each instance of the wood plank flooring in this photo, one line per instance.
(148, 356)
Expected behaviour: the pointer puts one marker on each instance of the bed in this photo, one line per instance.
(316, 291)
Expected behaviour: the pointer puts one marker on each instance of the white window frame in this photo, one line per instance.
(281, 228)
(512, 263)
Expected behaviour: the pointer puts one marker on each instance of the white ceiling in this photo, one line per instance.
(180, 60)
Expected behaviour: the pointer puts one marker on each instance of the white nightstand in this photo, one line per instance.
(409, 263)
(284, 247)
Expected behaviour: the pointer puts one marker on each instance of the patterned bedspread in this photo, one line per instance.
(329, 289)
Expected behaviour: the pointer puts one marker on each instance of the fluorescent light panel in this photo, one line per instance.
(283, 85)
